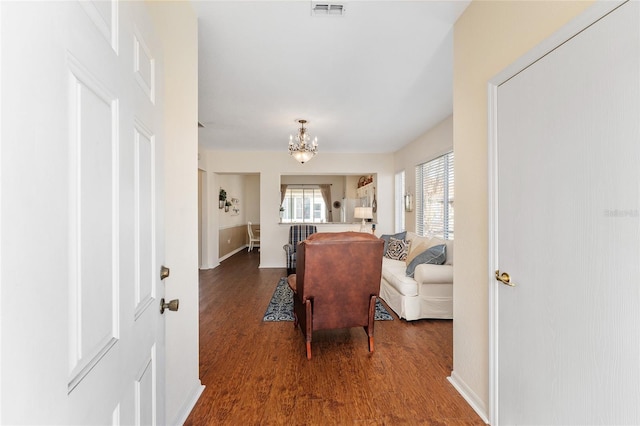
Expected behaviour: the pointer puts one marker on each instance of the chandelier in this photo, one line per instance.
(302, 149)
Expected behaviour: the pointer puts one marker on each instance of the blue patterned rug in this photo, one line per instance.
(281, 305)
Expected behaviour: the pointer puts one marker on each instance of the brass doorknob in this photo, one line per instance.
(172, 305)
(164, 272)
(504, 278)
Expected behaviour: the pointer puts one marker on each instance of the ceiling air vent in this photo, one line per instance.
(328, 9)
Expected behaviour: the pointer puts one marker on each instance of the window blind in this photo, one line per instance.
(434, 197)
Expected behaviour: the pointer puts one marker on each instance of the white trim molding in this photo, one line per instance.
(189, 403)
(469, 395)
(228, 255)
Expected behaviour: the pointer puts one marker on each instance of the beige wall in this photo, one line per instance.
(488, 37)
(235, 187)
(252, 198)
(233, 239)
(232, 228)
(435, 142)
(177, 27)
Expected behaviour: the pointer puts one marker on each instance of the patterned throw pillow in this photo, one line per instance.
(397, 249)
(386, 237)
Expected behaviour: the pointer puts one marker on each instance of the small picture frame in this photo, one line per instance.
(235, 207)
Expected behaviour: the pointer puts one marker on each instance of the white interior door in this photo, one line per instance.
(82, 335)
(568, 231)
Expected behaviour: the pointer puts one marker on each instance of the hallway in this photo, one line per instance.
(258, 373)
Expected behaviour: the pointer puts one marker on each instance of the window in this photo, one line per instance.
(434, 198)
(399, 186)
(303, 204)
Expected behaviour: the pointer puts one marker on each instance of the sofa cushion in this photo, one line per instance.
(420, 244)
(433, 274)
(417, 240)
(386, 237)
(393, 272)
(410, 236)
(397, 249)
(435, 255)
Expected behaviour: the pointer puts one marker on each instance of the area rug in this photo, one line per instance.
(281, 305)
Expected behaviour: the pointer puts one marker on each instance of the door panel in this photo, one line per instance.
(145, 223)
(93, 242)
(568, 231)
(82, 335)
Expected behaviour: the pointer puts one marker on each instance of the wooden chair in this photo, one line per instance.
(337, 282)
(252, 238)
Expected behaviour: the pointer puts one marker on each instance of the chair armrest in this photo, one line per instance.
(288, 248)
(433, 274)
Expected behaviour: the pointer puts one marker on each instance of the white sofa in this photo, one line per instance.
(428, 295)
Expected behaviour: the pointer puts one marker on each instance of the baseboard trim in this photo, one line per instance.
(209, 266)
(262, 266)
(190, 402)
(228, 255)
(470, 396)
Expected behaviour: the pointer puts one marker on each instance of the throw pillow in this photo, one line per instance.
(435, 255)
(386, 237)
(397, 249)
(420, 244)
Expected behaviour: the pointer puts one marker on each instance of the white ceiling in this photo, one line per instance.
(370, 81)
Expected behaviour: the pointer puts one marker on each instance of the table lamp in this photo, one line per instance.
(363, 213)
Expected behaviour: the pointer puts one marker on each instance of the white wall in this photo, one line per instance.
(177, 27)
(271, 165)
(434, 143)
(488, 37)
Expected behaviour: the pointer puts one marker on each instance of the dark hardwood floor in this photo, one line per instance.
(257, 373)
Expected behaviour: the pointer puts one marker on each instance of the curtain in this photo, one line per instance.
(325, 189)
(283, 192)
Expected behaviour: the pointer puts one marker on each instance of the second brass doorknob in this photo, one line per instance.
(504, 278)
(172, 305)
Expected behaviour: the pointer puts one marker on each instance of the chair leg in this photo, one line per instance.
(309, 326)
(372, 316)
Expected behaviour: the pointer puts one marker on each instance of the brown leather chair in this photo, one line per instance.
(337, 282)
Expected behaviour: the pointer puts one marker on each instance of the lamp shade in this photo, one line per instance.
(363, 213)
(303, 156)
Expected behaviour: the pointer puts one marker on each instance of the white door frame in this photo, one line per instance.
(574, 27)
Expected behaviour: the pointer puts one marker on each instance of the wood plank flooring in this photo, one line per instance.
(257, 373)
